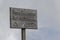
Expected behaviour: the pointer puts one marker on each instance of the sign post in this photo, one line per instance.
(23, 32)
(24, 19)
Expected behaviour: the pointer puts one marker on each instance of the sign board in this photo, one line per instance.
(23, 18)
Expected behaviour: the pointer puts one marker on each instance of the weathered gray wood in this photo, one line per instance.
(20, 16)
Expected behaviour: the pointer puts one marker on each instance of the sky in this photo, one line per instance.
(48, 20)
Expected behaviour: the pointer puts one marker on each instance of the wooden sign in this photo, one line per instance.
(23, 18)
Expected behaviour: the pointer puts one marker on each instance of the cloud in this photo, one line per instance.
(44, 34)
(1, 1)
(11, 37)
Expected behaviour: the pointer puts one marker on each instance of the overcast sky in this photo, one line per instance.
(48, 16)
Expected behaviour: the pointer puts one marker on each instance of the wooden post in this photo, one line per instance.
(23, 33)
